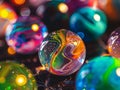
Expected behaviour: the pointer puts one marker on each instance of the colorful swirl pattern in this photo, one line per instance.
(23, 38)
(88, 23)
(62, 52)
(101, 73)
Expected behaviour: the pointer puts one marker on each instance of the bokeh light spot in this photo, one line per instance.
(11, 51)
(21, 80)
(63, 8)
(118, 72)
(97, 17)
(4, 13)
(19, 2)
(35, 27)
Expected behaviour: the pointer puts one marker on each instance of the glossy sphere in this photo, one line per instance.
(62, 52)
(14, 76)
(101, 73)
(26, 34)
(114, 43)
(89, 23)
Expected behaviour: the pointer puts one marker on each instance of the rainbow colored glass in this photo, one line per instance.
(114, 43)
(26, 35)
(62, 52)
(101, 73)
(14, 76)
(89, 23)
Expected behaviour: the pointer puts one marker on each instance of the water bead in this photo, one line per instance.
(26, 34)
(100, 73)
(62, 52)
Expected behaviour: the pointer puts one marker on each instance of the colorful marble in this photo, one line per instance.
(101, 73)
(62, 52)
(89, 23)
(26, 34)
(14, 76)
(54, 18)
(114, 43)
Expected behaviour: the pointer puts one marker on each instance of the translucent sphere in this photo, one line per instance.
(26, 34)
(88, 23)
(14, 76)
(62, 52)
(101, 73)
(114, 43)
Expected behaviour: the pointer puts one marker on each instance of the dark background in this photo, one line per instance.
(54, 20)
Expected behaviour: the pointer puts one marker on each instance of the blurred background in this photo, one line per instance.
(56, 15)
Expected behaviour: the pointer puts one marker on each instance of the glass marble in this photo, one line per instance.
(53, 17)
(114, 43)
(89, 23)
(14, 76)
(100, 73)
(62, 52)
(26, 34)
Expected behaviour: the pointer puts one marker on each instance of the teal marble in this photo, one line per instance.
(88, 23)
(101, 73)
